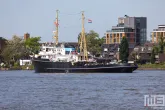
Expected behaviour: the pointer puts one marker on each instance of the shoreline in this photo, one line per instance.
(3, 69)
(8, 69)
(151, 69)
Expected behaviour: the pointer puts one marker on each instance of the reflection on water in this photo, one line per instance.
(26, 90)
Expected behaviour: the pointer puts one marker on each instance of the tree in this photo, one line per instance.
(2, 46)
(93, 42)
(156, 49)
(17, 48)
(134, 56)
(161, 44)
(153, 56)
(124, 50)
(33, 45)
(6, 54)
(14, 49)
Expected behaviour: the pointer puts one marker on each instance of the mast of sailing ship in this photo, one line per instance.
(56, 32)
(83, 46)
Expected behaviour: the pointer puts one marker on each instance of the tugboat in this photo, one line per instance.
(58, 59)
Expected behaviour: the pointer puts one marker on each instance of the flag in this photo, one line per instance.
(56, 23)
(89, 21)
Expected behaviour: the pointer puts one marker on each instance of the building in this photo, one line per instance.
(25, 62)
(110, 51)
(142, 54)
(115, 35)
(139, 24)
(26, 36)
(160, 58)
(156, 33)
(134, 28)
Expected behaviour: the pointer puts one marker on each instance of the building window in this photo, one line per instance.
(114, 40)
(117, 34)
(120, 39)
(120, 34)
(158, 34)
(128, 35)
(154, 34)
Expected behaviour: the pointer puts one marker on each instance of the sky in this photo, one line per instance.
(37, 16)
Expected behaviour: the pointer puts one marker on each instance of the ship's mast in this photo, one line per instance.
(56, 32)
(83, 47)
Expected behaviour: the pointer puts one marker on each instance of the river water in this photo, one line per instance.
(26, 90)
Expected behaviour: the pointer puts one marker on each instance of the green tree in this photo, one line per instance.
(2, 44)
(33, 45)
(161, 44)
(124, 50)
(156, 49)
(7, 54)
(14, 49)
(153, 56)
(134, 56)
(93, 42)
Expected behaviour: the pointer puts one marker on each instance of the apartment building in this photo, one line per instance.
(133, 28)
(156, 33)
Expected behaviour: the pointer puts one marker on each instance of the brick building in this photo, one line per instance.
(26, 36)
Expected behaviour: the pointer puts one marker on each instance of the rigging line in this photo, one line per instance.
(68, 27)
(69, 13)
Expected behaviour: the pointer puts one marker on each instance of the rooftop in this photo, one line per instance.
(160, 28)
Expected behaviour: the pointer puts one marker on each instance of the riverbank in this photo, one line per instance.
(151, 69)
(29, 67)
(5, 69)
(152, 66)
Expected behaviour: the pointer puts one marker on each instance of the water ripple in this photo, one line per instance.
(25, 90)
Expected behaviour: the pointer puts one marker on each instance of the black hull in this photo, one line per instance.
(41, 66)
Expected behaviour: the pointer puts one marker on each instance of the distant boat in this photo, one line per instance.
(62, 59)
